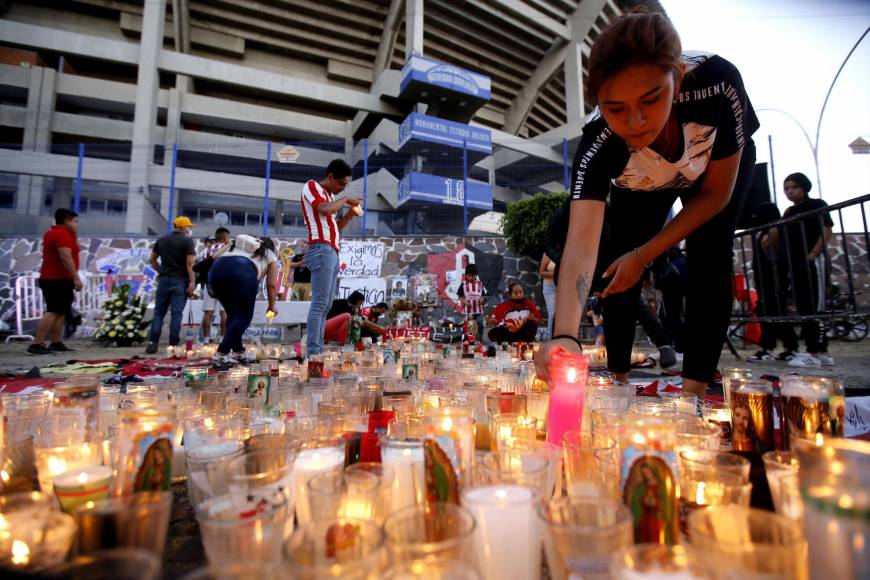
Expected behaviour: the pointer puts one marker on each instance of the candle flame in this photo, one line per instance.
(56, 465)
(571, 375)
(699, 493)
(83, 478)
(501, 494)
(4, 476)
(20, 553)
(846, 502)
(820, 439)
(447, 424)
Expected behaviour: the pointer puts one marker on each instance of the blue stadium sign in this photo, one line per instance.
(434, 130)
(446, 76)
(444, 190)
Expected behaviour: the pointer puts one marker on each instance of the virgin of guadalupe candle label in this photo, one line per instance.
(155, 471)
(259, 386)
(409, 372)
(650, 492)
(442, 484)
(752, 420)
(390, 356)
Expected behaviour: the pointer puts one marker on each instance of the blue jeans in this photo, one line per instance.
(234, 282)
(550, 301)
(322, 260)
(480, 325)
(171, 295)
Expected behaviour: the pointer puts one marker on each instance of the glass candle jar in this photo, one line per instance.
(452, 428)
(648, 478)
(145, 444)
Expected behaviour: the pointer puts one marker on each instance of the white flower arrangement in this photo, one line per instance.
(122, 318)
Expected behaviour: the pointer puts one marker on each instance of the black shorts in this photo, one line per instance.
(58, 295)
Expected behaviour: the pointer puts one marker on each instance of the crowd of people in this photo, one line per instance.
(617, 255)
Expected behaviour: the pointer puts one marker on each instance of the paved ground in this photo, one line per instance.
(852, 359)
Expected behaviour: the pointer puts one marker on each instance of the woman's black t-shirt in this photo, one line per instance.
(716, 119)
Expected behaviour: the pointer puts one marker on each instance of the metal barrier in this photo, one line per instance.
(30, 306)
(777, 283)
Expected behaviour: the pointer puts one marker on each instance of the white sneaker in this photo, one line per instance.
(223, 359)
(804, 359)
(248, 357)
(826, 359)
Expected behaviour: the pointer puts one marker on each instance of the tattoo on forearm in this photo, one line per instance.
(584, 283)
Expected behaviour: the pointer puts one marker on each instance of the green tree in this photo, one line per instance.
(526, 223)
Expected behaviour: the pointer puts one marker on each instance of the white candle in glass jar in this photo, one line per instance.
(507, 537)
(311, 462)
(407, 459)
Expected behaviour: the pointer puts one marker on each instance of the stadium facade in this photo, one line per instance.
(140, 111)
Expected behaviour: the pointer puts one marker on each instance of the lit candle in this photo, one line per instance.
(507, 537)
(311, 462)
(406, 457)
(647, 476)
(453, 429)
(506, 428)
(77, 487)
(567, 388)
(55, 461)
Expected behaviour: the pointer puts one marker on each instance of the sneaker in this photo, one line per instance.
(826, 359)
(223, 359)
(667, 357)
(760, 356)
(785, 355)
(804, 359)
(60, 347)
(247, 357)
(39, 349)
(151, 348)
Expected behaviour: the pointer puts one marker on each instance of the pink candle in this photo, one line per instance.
(568, 374)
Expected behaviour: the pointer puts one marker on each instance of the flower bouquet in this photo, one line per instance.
(123, 319)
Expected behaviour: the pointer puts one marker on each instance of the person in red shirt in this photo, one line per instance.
(516, 319)
(58, 279)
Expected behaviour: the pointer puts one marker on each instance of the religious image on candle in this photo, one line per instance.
(650, 494)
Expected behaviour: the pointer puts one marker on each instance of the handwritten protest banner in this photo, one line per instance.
(360, 258)
(374, 289)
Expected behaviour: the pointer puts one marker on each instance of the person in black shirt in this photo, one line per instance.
(805, 243)
(301, 277)
(172, 256)
(770, 269)
(669, 124)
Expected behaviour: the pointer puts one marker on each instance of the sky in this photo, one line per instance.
(788, 52)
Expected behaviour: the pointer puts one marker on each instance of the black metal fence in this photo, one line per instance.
(781, 279)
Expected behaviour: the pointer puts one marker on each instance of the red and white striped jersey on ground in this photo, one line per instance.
(473, 296)
(321, 228)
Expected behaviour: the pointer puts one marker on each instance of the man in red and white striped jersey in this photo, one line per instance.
(319, 208)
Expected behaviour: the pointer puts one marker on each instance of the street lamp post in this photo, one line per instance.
(814, 145)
